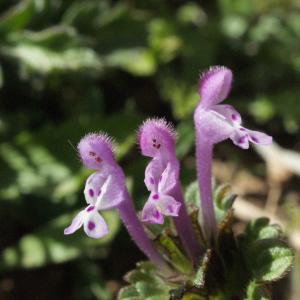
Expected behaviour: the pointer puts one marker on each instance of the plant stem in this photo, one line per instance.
(204, 165)
(138, 234)
(184, 227)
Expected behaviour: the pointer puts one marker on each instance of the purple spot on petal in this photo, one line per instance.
(151, 180)
(155, 197)
(170, 209)
(98, 159)
(99, 192)
(92, 153)
(242, 140)
(91, 225)
(233, 117)
(242, 129)
(90, 208)
(156, 214)
(254, 139)
(91, 192)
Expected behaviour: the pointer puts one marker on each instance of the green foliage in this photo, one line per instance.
(255, 292)
(269, 259)
(192, 196)
(49, 245)
(17, 17)
(260, 229)
(223, 200)
(175, 256)
(200, 277)
(144, 284)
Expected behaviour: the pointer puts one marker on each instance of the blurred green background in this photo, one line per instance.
(71, 67)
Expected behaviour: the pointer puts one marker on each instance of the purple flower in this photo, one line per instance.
(217, 122)
(103, 189)
(101, 193)
(159, 182)
(157, 140)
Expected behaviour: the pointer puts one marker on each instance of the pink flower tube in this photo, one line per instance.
(157, 140)
(215, 122)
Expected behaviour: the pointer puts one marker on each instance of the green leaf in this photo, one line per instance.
(57, 48)
(53, 38)
(17, 17)
(79, 12)
(192, 196)
(255, 292)
(200, 277)
(128, 292)
(35, 58)
(138, 61)
(223, 198)
(191, 296)
(191, 12)
(158, 297)
(168, 247)
(90, 15)
(259, 229)
(223, 201)
(163, 39)
(145, 284)
(146, 266)
(49, 245)
(186, 138)
(182, 95)
(146, 289)
(138, 275)
(269, 259)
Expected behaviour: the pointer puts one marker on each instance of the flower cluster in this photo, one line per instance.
(105, 189)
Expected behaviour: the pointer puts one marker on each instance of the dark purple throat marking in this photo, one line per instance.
(254, 139)
(91, 192)
(91, 225)
(242, 140)
(156, 214)
(155, 197)
(98, 159)
(155, 144)
(90, 208)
